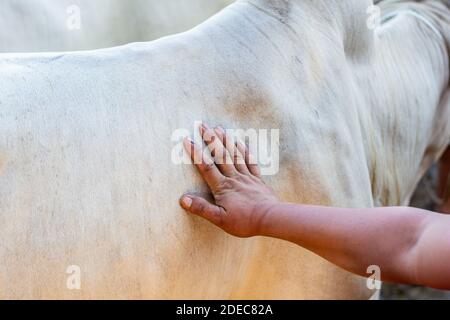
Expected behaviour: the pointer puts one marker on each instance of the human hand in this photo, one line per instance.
(241, 197)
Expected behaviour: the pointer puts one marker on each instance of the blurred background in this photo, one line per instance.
(70, 25)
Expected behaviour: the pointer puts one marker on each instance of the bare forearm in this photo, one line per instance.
(353, 239)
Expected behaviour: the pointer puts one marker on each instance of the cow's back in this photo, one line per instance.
(88, 181)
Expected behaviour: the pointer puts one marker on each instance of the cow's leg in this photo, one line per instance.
(444, 181)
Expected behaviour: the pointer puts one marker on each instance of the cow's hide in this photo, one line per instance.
(85, 147)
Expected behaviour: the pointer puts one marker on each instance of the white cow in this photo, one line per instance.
(62, 25)
(87, 184)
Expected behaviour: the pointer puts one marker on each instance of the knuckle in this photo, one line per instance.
(198, 207)
(208, 167)
(219, 216)
(227, 183)
(247, 179)
(256, 178)
(238, 159)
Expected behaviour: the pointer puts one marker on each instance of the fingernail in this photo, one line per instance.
(186, 202)
(206, 129)
(189, 140)
(186, 140)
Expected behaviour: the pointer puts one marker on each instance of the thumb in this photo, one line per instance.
(202, 208)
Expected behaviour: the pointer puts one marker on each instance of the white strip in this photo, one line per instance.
(414, 14)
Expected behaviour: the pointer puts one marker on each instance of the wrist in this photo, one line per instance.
(265, 213)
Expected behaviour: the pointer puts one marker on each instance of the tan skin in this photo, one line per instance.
(411, 246)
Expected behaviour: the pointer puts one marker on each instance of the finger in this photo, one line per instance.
(220, 155)
(250, 161)
(237, 157)
(208, 170)
(203, 208)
